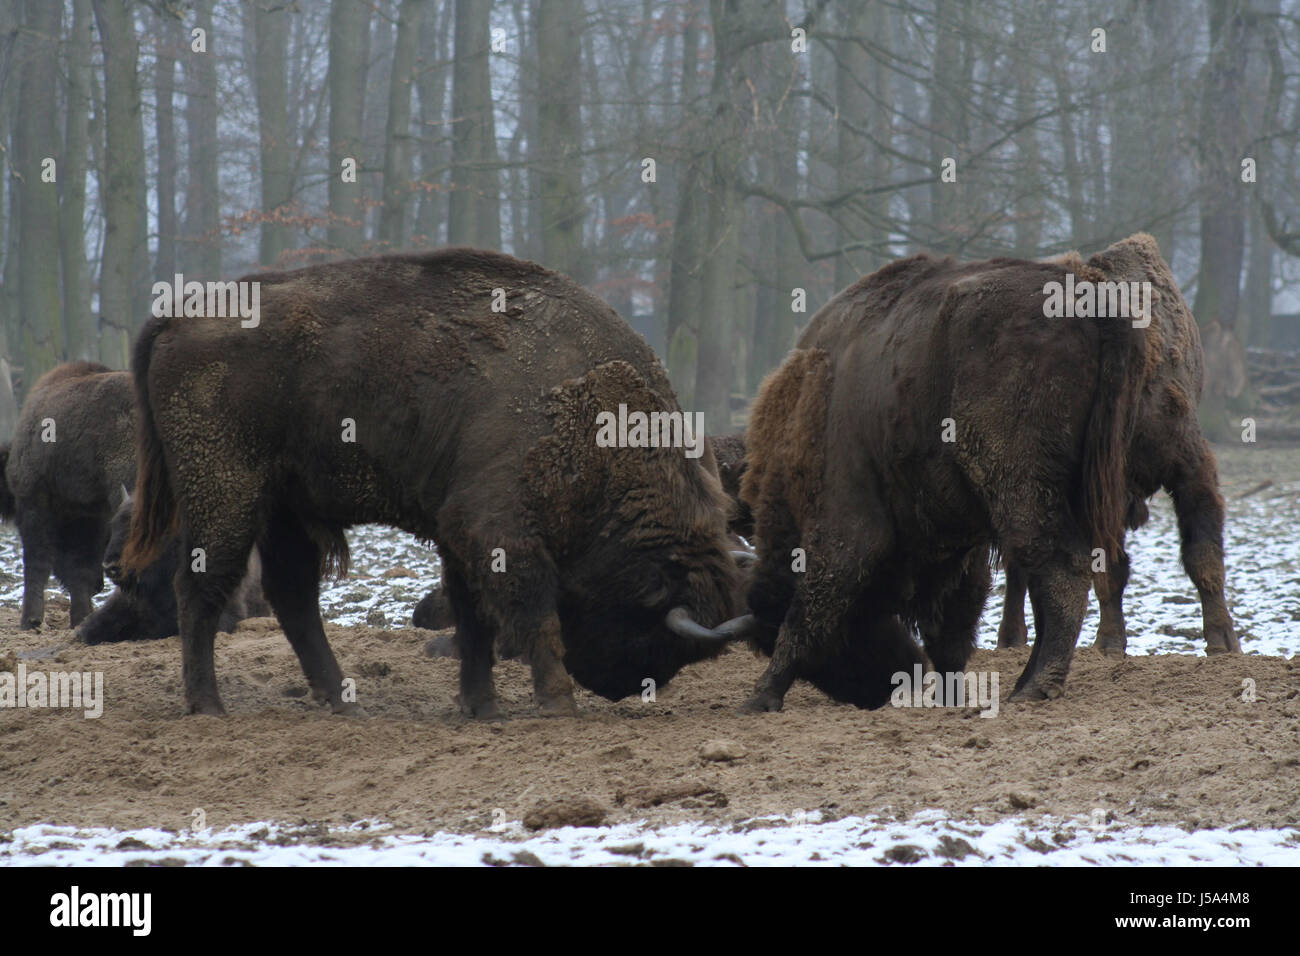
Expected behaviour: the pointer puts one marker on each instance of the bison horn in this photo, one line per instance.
(681, 623)
(744, 557)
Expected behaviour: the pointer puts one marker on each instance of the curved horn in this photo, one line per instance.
(744, 557)
(681, 623)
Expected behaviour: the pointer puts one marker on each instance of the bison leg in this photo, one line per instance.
(949, 638)
(1200, 525)
(799, 631)
(1112, 635)
(38, 563)
(79, 561)
(552, 686)
(291, 581)
(1012, 631)
(769, 692)
(478, 696)
(1059, 595)
(201, 593)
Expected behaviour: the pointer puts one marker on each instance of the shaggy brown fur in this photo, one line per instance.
(65, 491)
(1167, 451)
(729, 450)
(474, 429)
(847, 463)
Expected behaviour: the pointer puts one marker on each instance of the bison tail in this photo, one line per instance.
(8, 506)
(1110, 427)
(155, 517)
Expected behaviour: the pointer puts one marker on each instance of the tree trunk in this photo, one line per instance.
(474, 216)
(170, 42)
(1223, 221)
(397, 139)
(686, 255)
(432, 87)
(270, 26)
(349, 35)
(851, 151)
(38, 225)
(559, 137)
(79, 329)
(121, 301)
(201, 254)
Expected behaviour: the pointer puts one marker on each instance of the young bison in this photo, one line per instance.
(72, 451)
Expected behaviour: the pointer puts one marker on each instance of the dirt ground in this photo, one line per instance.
(1164, 739)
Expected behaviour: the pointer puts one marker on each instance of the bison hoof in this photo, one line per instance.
(762, 704)
(1012, 637)
(444, 646)
(1033, 690)
(561, 705)
(1222, 642)
(30, 624)
(210, 707)
(1112, 648)
(480, 710)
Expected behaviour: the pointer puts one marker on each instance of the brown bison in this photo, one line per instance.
(930, 414)
(433, 611)
(72, 452)
(1166, 450)
(455, 395)
(143, 606)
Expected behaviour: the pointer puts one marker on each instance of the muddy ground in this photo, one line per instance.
(1155, 739)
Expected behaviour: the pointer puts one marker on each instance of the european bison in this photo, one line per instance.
(1167, 450)
(930, 414)
(455, 395)
(143, 606)
(433, 611)
(72, 451)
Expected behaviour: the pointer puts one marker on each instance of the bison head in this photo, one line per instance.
(119, 527)
(155, 581)
(649, 619)
(646, 572)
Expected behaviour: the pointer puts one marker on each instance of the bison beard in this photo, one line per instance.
(62, 493)
(846, 460)
(473, 428)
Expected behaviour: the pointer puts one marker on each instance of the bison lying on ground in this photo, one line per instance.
(930, 413)
(1166, 450)
(454, 395)
(72, 451)
(143, 606)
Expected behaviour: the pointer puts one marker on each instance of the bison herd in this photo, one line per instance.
(930, 421)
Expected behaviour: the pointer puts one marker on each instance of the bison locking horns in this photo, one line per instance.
(931, 414)
(391, 390)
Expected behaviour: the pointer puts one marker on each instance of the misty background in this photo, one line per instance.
(715, 169)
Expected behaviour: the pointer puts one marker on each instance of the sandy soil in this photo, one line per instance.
(1165, 739)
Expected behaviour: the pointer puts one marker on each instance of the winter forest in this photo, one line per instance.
(714, 169)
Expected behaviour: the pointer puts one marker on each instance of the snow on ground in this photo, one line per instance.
(1161, 606)
(929, 839)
